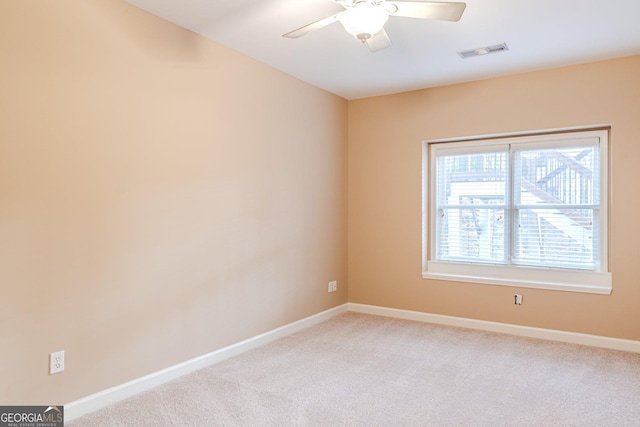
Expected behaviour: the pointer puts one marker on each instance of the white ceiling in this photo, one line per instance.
(539, 33)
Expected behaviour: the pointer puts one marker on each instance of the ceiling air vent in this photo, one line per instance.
(485, 50)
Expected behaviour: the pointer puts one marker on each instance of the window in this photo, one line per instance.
(527, 211)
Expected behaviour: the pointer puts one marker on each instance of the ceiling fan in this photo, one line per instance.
(365, 19)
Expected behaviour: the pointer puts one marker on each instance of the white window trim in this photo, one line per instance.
(526, 277)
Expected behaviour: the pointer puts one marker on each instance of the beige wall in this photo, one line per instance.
(160, 197)
(385, 135)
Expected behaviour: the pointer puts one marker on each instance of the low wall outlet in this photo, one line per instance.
(518, 299)
(333, 286)
(56, 362)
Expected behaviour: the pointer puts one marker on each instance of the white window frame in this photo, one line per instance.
(598, 282)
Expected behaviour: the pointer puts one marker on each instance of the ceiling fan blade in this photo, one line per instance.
(443, 11)
(313, 26)
(379, 41)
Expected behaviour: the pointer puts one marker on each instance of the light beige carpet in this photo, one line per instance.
(362, 370)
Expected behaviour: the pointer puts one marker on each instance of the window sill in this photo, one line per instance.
(523, 277)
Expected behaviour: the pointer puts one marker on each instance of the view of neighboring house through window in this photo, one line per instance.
(524, 211)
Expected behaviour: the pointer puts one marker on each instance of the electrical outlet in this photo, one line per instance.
(333, 286)
(56, 362)
(518, 299)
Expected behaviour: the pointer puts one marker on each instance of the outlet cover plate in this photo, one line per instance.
(56, 362)
(333, 286)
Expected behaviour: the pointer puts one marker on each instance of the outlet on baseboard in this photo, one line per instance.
(333, 286)
(56, 362)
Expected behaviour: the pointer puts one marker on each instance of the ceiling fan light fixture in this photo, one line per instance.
(364, 20)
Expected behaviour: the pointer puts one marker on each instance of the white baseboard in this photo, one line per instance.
(112, 395)
(525, 331)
